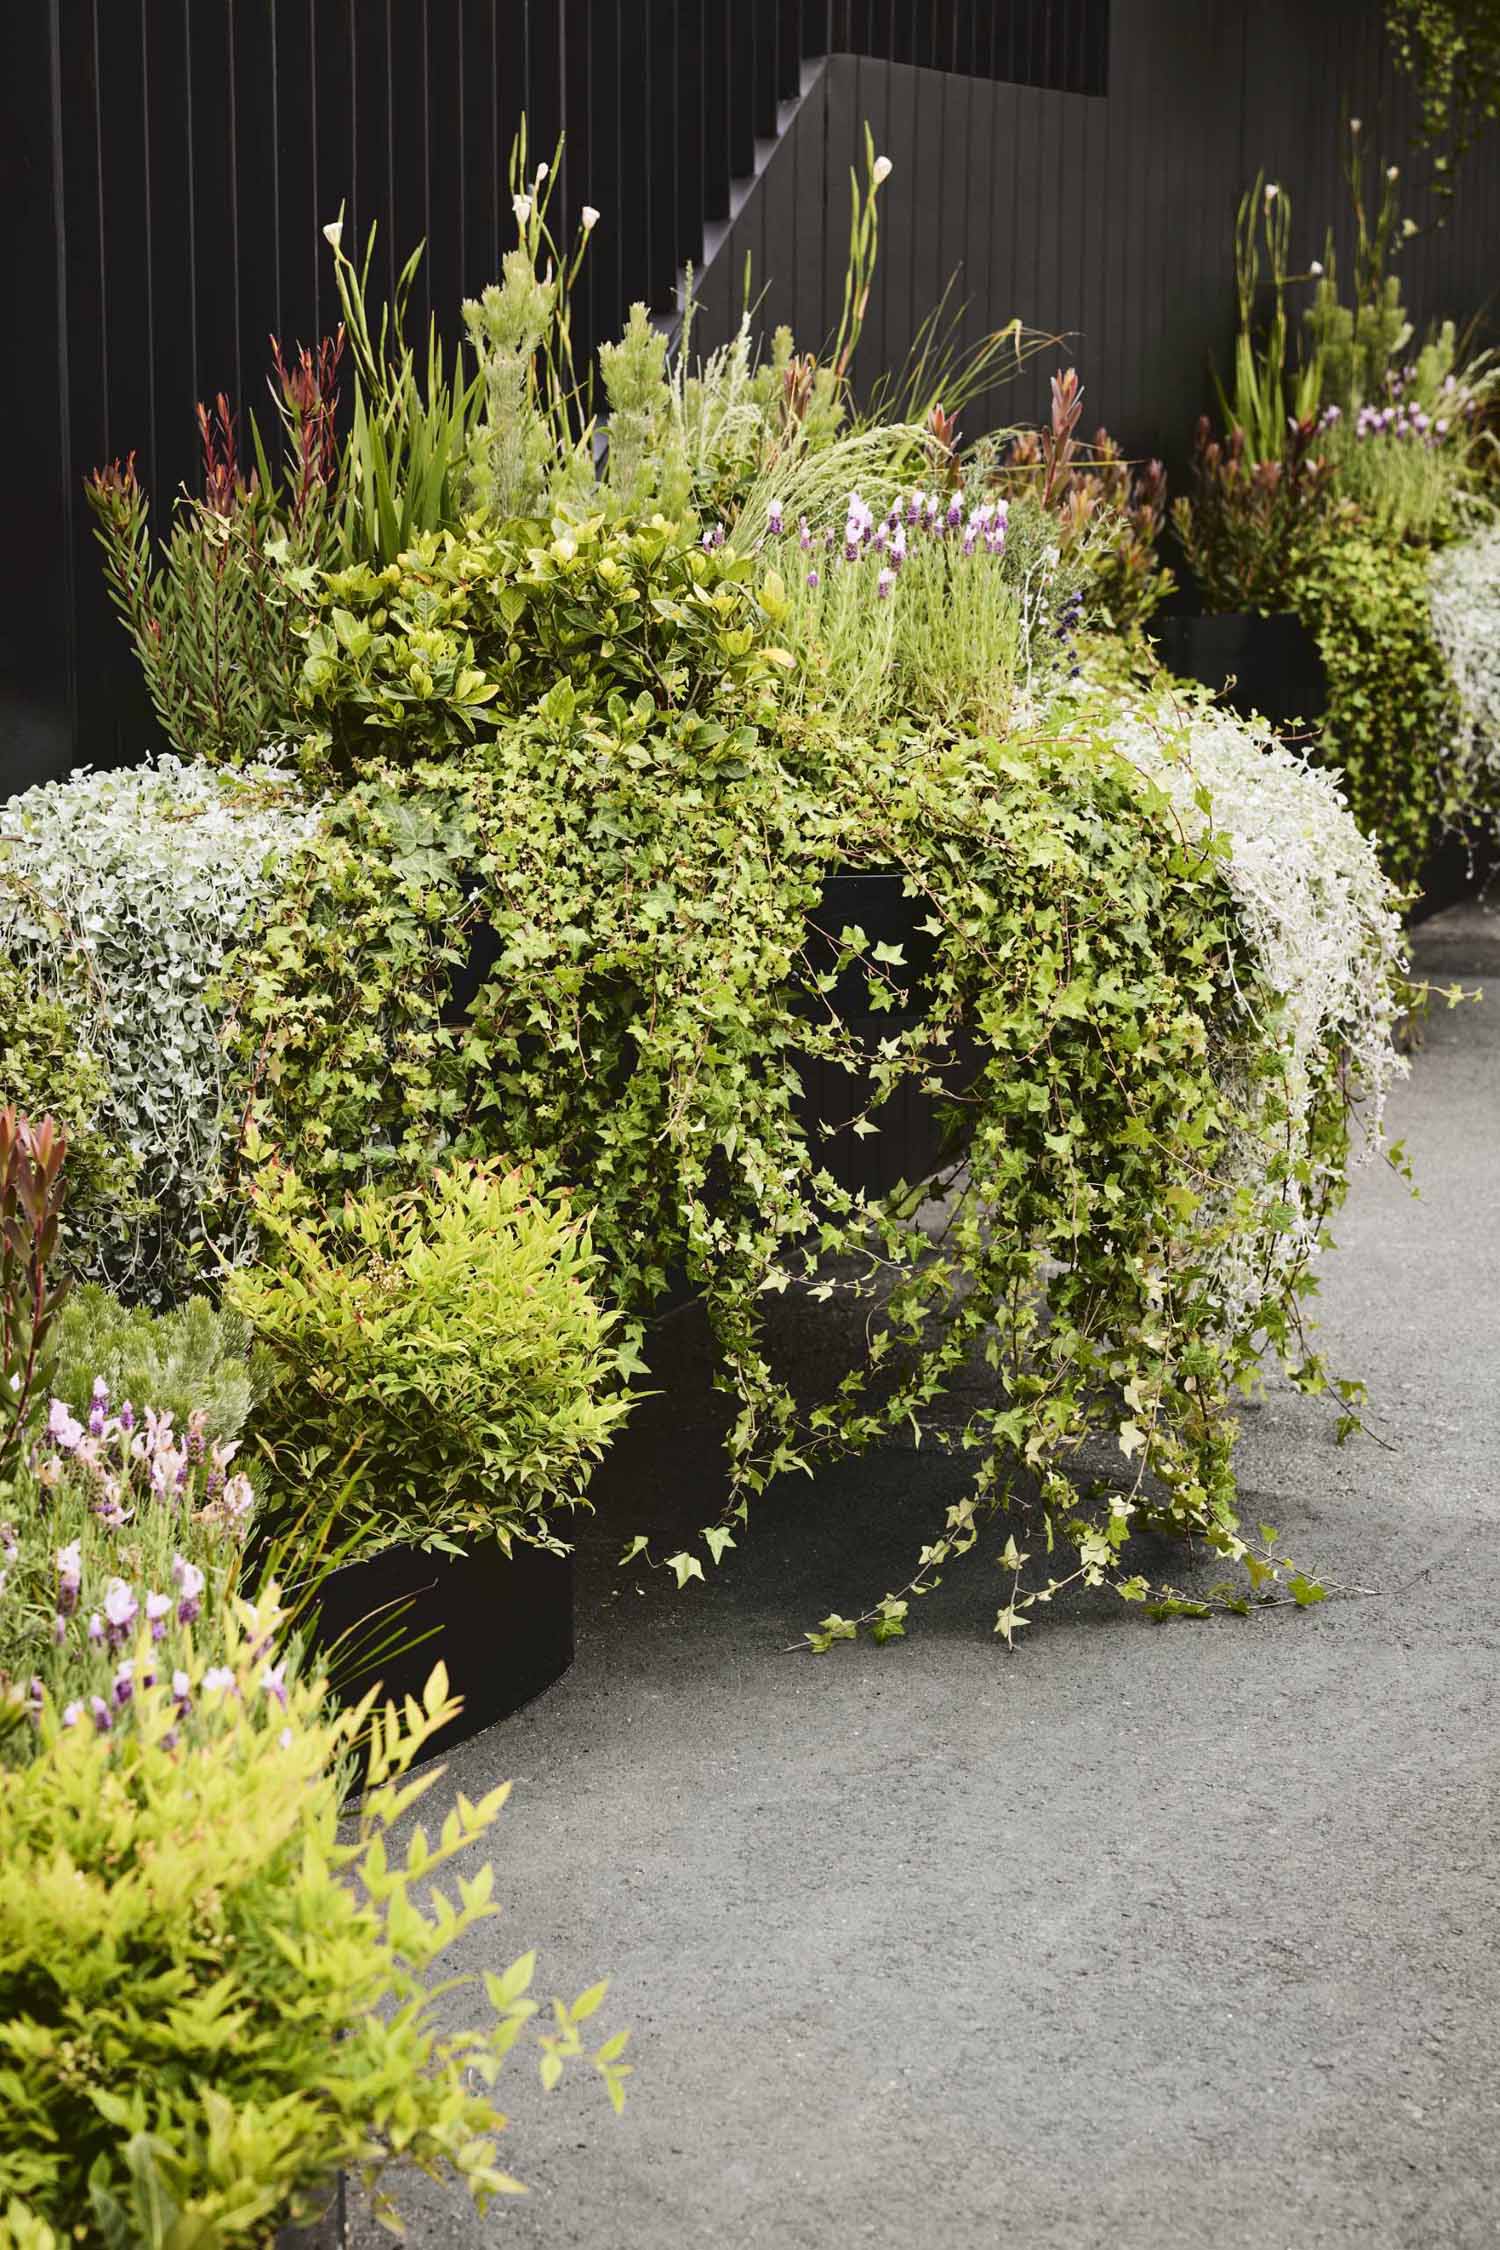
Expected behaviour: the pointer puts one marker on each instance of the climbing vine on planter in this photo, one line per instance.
(627, 869)
(1391, 717)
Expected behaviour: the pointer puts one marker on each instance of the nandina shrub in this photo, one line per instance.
(445, 1343)
(210, 2000)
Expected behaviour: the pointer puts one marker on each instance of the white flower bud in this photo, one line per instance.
(1272, 191)
(883, 170)
(521, 205)
(1393, 171)
(334, 232)
(1316, 269)
(541, 174)
(589, 217)
(1354, 124)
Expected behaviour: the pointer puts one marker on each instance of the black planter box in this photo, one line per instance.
(910, 1142)
(1273, 662)
(503, 1625)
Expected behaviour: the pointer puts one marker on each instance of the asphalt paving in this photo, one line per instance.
(1171, 1937)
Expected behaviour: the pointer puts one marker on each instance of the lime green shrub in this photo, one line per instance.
(447, 1342)
(209, 2003)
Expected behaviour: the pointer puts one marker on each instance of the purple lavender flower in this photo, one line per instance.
(158, 1609)
(188, 1579)
(127, 1417)
(804, 535)
(59, 1630)
(955, 511)
(122, 1688)
(774, 522)
(182, 1690)
(103, 1717)
(121, 1610)
(883, 585)
(813, 581)
(64, 1432)
(218, 1680)
(273, 1682)
(69, 1577)
(72, 1713)
(99, 1407)
(96, 1628)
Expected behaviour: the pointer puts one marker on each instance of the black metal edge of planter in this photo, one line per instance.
(328, 2232)
(502, 1624)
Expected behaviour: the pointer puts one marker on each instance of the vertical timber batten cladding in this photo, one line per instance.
(167, 166)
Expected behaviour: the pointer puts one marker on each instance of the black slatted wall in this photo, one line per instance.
(166, 167)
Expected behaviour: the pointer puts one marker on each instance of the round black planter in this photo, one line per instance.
(1268, 665)
(502, 1624)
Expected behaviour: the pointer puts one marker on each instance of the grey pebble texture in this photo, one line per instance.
(1148, 1937)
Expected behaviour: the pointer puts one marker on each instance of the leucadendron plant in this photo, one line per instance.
(212, 1999)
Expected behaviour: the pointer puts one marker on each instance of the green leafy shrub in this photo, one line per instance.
(430, 656)
(121, 895)
(46, 1070)
(209, 2003)
(191, 1360)
(447, 1342)
(1392, 719)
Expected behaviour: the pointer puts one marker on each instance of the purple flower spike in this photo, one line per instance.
(158, 1609)
(804, 535)
(72, 1713)
(121, 1610)
(69, 1577)
(813, 581)
(96, 1628)
(182, 1689)
(123, 1685)
(273, 1682)
(59, 1630)
(103, 1717)
(883, 584)
(774, 523)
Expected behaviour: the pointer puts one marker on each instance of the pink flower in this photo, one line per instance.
(64, 1432)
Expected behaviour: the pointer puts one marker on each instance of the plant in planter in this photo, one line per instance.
(209, 2001)
(440, 1357)
(121, 894)
(1112, 509)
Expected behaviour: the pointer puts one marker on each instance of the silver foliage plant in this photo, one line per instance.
(1464, 596)
(122, 894)
(1321, 923)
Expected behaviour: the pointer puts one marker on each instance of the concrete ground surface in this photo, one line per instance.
(1148, 1937)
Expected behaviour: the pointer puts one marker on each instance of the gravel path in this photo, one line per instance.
(1147, 1937)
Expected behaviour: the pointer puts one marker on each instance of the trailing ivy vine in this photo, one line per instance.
(625, 871)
